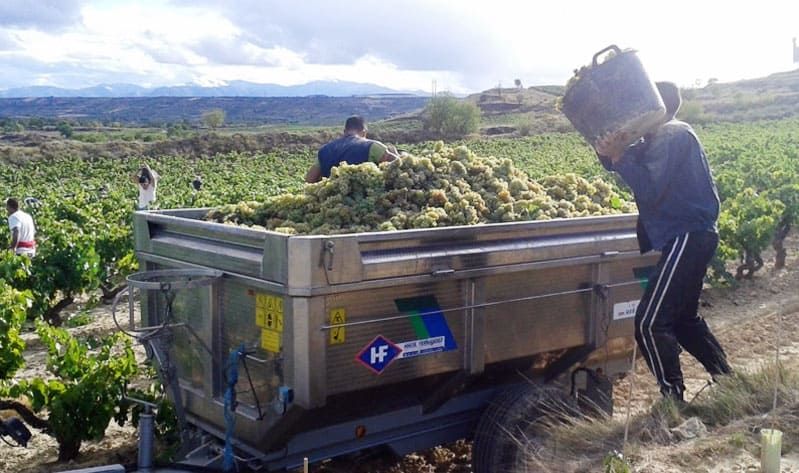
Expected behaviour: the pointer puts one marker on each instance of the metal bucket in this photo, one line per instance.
(614, 96)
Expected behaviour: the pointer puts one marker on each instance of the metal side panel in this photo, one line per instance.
(210, 323)
(183, 236)
(348, 259)
(308, 355)
(317, 264)
(627, 283)
(258, 320)
(392, 315)
(551, 311)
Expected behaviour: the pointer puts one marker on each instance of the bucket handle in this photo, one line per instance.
(612, 46)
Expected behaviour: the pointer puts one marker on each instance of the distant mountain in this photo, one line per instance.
(232, 89)
(310, 110)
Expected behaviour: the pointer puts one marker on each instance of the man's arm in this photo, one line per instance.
(652, 178)
(14, 239)
(314, 174)
(380, 153)
(616, 155)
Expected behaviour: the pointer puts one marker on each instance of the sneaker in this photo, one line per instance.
(676, 394)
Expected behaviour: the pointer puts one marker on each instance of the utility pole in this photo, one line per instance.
(795, 52)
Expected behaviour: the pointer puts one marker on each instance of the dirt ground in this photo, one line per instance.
(749, 321)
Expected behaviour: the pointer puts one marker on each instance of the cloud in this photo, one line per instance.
(20, 70)
(164, 54)
(412, 34)
(7, 41)
(40, 14)
(238, 51)
(465, 45)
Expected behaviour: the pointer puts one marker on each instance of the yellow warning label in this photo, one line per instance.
(269, 312)
(338, 334)
(270, 340)
(273, 321)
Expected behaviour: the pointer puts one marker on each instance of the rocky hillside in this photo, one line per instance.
(311, 110)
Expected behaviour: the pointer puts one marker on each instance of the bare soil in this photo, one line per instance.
(749, 321)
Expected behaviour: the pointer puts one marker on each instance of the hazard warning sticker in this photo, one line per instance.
(269, 316)
(338, 335)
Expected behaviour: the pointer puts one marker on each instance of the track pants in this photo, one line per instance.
(667, 319)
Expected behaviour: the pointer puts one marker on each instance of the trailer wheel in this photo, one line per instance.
(508, 435)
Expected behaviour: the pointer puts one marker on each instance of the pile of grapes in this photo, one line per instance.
(440, 187)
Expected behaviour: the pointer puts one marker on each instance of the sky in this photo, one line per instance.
(462, 45)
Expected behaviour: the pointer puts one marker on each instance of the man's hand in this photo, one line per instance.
(390, 155)
(613, 145)
(314, 174)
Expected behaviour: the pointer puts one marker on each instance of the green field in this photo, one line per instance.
(85, 202)
(760, 156)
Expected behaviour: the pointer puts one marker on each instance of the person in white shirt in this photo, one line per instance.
(23, 232)
(147, 181)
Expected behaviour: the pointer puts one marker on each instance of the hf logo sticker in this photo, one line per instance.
(430, 327)
(378, 354)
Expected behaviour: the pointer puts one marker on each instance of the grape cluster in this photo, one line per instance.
(441, 186)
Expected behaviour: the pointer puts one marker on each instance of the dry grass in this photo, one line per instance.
(746, 394)
(734, 410)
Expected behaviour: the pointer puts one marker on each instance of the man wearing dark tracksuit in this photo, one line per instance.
(678, 206)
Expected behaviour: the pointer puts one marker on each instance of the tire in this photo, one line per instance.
(509, 434)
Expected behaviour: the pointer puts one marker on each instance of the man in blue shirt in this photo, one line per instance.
(352, 148)
(678, 206)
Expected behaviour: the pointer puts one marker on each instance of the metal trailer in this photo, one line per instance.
(401, 339)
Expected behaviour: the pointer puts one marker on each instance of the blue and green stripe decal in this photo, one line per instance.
(642, 275)
(427, 319)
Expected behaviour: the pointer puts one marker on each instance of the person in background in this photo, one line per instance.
(23, 231)
(352, 148)
(197, 183)
(147, 181)
(678, 206)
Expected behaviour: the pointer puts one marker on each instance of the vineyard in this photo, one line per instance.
(83, 208)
